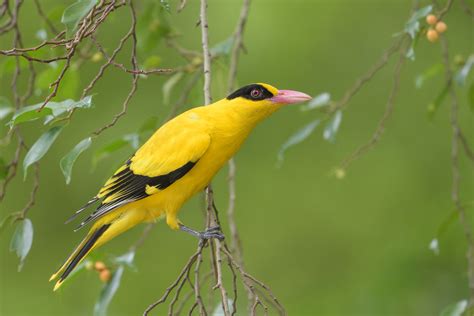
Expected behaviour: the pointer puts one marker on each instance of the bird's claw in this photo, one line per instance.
(212, 232)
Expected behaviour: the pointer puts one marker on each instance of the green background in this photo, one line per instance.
(356, 246)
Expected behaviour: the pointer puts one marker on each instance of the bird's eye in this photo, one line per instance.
(256, 93)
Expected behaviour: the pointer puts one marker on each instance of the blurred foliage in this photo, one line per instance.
(318, 242)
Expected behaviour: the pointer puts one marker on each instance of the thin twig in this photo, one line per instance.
(367, 76)
(361, 150)
(465, 144)
(134, 76)
(456, 177)
(236, 244)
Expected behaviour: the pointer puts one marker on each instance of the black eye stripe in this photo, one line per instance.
(246, 92)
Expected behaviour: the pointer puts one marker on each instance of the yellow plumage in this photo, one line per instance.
(178, 161)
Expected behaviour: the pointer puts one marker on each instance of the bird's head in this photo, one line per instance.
(267, 95)
(261, 99)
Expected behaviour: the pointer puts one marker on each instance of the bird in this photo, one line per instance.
(176, 162)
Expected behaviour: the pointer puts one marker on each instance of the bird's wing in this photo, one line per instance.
(165, 158)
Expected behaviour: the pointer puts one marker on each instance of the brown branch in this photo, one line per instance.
(250, 282)
(205, 52)
(56, 83)
(13, 22)
(31, 202)
(12, 167)
(467, 9)
(197, 286)
(212, 215)
(184, 95)
(361, 150)
(182, 4)
(44, 17)
(146, 232)
(456, 178)
(168, 290)
(380, 64)
(465, 144)
(135, 76)
(236, 245)
(445, 10)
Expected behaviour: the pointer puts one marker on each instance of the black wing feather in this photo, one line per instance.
(131, 187)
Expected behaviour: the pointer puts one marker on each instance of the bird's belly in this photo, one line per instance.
(170, 200)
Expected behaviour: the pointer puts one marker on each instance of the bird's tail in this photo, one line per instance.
(90, 242)
(102, 231)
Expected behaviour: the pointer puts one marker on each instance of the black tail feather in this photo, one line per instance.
(84, 250)
(70, 219)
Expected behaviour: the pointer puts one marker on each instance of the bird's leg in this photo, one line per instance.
(212, 232)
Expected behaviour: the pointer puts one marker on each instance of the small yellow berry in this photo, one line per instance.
(459, 60)
(105, 275)
(340, 173)
(100, 266)
(96, 57)
(89, 265)
(431, 108)
(432, 35)
(441, 27)
(431, 19)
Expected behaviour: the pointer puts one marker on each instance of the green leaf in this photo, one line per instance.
(219, 310)
(223, 48)
(456, 309)
(22, 240)
(41, 34)
(69, 84)
(3, 169)
(412, 27)
(470, 96)
(318, 101)
(60, 108)
(149, 125)
(428, 74)
(52, 110)
(28, 114)
(5, 108)
(68, 161)
(462, 74)
(108, 292)
(434, 246)
(75, 13)
(152, 61)
(132, 140)
(165, 5)
(297, 138)
(332, 127)
(40, 147)
(126, 259)
(433, 107)
(168, 86)
(410, 54)
(220, 75)
(152, 27)
(8, 67)
(56, 13)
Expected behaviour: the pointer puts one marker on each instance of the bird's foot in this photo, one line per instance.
(212, 232)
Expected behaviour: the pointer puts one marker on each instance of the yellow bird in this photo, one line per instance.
(178, 161)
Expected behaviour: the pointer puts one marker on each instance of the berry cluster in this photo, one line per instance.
(101, 268)
(436, 28)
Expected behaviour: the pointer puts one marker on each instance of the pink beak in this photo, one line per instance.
(290, 97)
